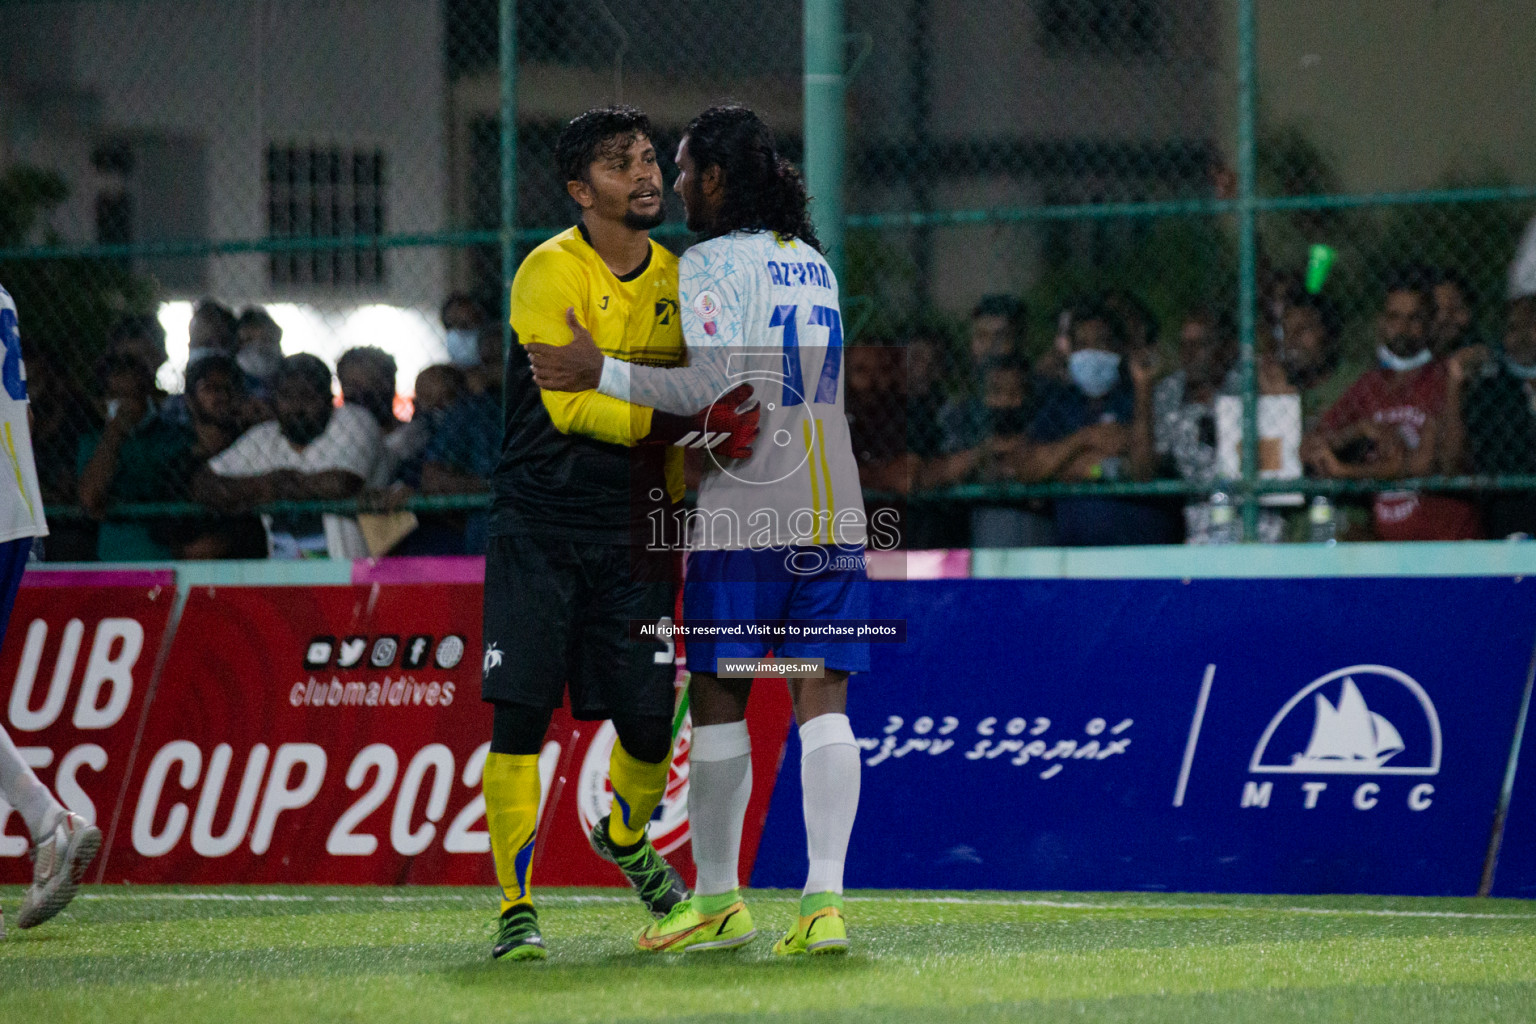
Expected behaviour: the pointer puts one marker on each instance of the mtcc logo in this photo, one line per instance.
(1360, 720)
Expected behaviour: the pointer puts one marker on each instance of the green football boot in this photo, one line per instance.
(656, 882)
(686, 930)
(517, 935)
(819, 932)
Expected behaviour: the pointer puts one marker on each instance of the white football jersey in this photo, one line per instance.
(761, 309)
(21, 500)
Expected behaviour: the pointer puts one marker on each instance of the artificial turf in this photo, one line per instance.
(422, 954)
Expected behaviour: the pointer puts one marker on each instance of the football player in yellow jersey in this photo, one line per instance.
(579, 479)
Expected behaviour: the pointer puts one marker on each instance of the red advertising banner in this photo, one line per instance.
(577, 793)
(336, 735)
(312, 734)
(79, 660)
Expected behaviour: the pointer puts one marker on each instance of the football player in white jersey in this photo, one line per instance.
(776, 536)
(63, 842)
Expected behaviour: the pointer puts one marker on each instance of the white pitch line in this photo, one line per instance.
(1070, 905)
(557, 899)
(237, 897)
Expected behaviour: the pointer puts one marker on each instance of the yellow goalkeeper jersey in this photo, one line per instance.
(570, 464)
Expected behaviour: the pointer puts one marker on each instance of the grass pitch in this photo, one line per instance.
(422, 954)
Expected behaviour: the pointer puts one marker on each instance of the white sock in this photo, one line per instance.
(829, 779)
(719, 785)
(22, 790)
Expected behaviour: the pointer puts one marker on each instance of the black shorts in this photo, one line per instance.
(557, 616)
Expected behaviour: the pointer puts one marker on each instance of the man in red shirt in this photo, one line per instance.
(1388, 425)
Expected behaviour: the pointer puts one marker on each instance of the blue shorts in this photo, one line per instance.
(13, 562)
(820, 582)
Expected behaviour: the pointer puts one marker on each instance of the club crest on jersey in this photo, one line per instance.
(707, 305)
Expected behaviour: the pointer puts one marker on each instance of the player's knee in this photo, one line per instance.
(814, 697)
(518, 728)
(647, 738)
(715, 701)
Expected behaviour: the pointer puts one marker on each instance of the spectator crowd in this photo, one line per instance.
(1107, 400)
(257, 437)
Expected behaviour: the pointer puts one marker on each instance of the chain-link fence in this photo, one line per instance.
(1121, 272)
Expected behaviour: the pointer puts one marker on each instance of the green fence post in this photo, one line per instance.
(1247, 266)
(824, 122)
(507, 58)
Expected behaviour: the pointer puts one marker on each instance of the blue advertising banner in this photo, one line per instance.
(1516, 875)
(1263, 735)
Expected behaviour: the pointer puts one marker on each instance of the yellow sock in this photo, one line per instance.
(511, 783)
(637, 789)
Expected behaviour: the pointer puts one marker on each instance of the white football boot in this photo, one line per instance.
(58, 864)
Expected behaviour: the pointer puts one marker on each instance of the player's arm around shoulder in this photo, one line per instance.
(549, 283)
(685, 390)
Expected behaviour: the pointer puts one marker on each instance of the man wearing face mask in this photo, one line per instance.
(213, 329)
(1491, 416)
(462, 319)
(474, 345)
(259, 350)
(312, 451)
(1390, 424)
(1105, 413)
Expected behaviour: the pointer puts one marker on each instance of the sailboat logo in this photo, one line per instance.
(1347, 735)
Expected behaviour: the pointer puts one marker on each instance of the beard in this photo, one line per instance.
(645, 221)
(693, 201)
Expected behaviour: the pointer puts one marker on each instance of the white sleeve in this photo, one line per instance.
(250, 455)
(716, 296)
(351, 442)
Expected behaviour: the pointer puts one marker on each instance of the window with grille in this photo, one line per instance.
(1102, 28)
(325, 192)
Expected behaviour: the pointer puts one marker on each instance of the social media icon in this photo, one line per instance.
(384, 650)
(318, 653)
(417, 648)
(450, 651)
(352, 650)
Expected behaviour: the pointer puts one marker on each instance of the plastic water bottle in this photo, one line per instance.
(1224, 526)
(1322, 526)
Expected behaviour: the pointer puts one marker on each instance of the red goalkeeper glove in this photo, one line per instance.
(723, 427)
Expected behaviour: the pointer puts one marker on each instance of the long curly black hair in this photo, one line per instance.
(763, 191)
